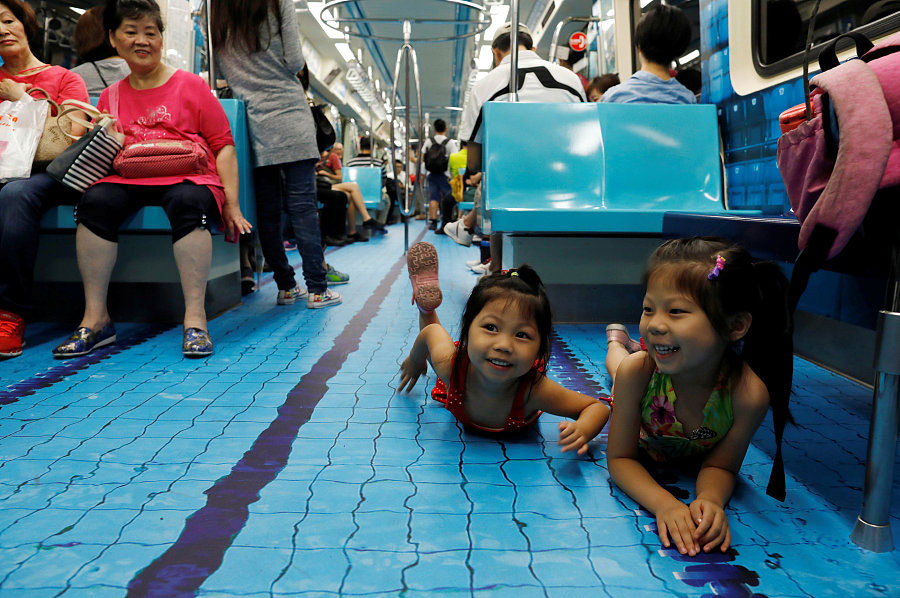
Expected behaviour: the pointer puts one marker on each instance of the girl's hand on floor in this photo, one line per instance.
(410, 372)
(712, 525)
(571, 437)
(676, 521)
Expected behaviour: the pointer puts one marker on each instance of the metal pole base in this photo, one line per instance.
(876, 538)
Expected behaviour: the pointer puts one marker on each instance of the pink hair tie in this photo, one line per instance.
(717, 269)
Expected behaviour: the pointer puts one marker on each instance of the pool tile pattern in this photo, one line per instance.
(286, 465)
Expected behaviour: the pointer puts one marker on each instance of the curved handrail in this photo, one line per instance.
(406, 50)
(482, 24)
(601, 47)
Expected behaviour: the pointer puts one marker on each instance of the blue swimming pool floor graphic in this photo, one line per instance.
(103, 464)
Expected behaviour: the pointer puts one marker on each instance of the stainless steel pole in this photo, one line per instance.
(873, 526)
(514, 51)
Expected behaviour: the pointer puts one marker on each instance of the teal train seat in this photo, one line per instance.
(145, 284)
(579, 191)
(369, 180)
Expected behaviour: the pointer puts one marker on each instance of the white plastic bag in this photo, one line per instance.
(21, 126)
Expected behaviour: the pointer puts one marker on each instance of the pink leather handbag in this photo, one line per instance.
(165, 157)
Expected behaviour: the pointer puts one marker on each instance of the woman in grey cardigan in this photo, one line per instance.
(258, 49)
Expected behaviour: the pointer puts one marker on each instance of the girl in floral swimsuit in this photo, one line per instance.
(494, 379)
(686, 392)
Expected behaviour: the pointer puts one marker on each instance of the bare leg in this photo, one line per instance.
(356, 198)
(193, 255)
(496, 252)
(351, 216)
(429, 318)
(469, 220)
(96, 259)
(615, 353)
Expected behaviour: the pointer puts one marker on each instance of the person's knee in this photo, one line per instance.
(189, 207)
(100, 213)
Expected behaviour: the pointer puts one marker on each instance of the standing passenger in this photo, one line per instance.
(661, 36)
(543, 82)
(259, 53)
(436, 163)
(98, 63)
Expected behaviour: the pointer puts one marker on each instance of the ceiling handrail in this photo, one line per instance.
(482, 24)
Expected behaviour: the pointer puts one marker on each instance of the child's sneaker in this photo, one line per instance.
(619, 333)
(290, 296)
(335, 276)
(422, 263)
(326, 299)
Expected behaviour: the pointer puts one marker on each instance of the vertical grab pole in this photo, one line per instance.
(514, 50)
(209, 46)
(601, 47)
(407, 207)
(873, 526)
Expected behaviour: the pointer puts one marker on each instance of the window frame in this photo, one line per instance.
(872, 31)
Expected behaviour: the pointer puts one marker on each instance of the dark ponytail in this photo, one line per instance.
(742, 284)
(769, 351)
(243, 25)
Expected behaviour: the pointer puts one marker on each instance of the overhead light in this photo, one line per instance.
(79, 11)
(344, 50)
(689, 57)
(485, 58)
(499, 16)
(315, 9)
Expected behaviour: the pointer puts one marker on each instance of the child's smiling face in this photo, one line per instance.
(677, 332)
(503, 342)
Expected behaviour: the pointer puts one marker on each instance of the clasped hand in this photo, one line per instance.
(12, 90)
(701, 525)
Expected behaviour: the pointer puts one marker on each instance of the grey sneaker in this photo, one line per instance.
(326, 299)
(335, 277)
(290, 296)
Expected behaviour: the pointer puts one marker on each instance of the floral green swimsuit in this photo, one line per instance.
(662, 435)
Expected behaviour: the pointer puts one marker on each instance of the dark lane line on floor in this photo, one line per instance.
(209, 532)
(58, 373)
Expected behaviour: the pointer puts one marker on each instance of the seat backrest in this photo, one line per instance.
(589, 157)
(237, 119)
(369, 180)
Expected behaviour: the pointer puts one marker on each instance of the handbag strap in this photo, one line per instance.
(99, 119)
(46, 97)
(99, 74)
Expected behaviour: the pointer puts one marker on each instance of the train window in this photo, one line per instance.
(780, 27)
(691, 58)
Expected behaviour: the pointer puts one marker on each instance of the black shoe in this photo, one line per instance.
(440, 231)
(373, 224)
(357, 238)
(432, 225)
(335, 242)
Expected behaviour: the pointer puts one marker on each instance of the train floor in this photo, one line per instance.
(287, 465)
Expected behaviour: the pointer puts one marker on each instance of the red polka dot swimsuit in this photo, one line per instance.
(453, 397)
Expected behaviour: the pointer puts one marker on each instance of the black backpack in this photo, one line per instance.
(436, 159)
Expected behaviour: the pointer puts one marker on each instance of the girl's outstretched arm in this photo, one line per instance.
(434, 345)
(715, 482)
(673, 517)
(590, 415)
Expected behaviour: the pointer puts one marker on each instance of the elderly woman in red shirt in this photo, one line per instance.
(156, 102)
(24, 201)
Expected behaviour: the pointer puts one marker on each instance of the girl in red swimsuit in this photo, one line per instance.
(493, 379)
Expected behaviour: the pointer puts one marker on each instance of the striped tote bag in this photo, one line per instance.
(91, 157)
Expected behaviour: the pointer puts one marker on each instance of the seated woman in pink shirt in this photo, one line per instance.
(24, 201)
(156, 102)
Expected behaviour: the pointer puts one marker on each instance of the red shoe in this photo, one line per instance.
(12, 334)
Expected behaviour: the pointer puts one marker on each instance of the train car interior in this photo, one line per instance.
(301, 457)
